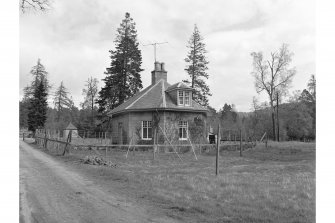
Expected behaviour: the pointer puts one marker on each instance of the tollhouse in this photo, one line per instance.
(161, 113)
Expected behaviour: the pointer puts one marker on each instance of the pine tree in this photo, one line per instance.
(61, 100)
(39, 74)
(123, 78)
(197, 67)
(38, 107)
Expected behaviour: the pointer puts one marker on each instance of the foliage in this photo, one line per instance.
(228, 117)
(308, 97)
(196, 68)
(23, 113)
(123, 78)
(297, 121)
(38, 108)
(196, 131)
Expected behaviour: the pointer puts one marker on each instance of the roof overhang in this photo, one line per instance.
(158, 109)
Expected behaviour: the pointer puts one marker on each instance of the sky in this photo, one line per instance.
(74, 37)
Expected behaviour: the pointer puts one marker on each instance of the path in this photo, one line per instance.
(52, 192)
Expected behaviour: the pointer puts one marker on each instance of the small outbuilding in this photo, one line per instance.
(74, 131)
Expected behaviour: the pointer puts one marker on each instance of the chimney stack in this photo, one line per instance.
(158, 73)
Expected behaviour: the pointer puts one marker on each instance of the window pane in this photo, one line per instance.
(180, 133)
(181, 97)
(187, 98)
(149, 133)
(181, 100)
(145, 133)
(184, 133)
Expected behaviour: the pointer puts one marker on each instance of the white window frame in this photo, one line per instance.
(146, 128)
(182, 125)
(182, 96)
(189, 98)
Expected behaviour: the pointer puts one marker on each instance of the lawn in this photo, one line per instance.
(274, 184)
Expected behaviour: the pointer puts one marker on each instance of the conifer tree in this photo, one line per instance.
(39, 74)
(197, 68)
(123, 78)
(38, 106)
(61, 100)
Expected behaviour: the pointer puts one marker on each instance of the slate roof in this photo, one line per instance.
(71, 127)
(156, 97)
(179, 85)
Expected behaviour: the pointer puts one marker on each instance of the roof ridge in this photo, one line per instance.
(163, 95)
(143, 94)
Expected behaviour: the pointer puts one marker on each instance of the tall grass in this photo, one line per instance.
(273, 184)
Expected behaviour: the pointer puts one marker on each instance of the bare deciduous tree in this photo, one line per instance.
(41, 5)
(91, 93)
(273, 75)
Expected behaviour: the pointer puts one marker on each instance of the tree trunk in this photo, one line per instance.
(273, 122)
(277, 117)
(92, 108)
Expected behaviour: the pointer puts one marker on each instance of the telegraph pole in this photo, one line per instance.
(155, 44)
(218, 139)
(277, 117)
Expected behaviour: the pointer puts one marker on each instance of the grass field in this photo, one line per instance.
(276, 184)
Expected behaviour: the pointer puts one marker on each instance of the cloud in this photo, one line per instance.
(74, 38)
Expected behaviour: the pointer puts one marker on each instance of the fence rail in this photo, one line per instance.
(82, 147)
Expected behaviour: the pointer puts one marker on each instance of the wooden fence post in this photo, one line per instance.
(155, 146)
(217, 152)
(70, 133)
(111, 140)
(67, 141)
(266, 142)
(240, 142)
(45, 138)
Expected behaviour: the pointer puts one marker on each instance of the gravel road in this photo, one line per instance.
(52, 192)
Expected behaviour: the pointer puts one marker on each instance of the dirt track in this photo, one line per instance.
(53, 192)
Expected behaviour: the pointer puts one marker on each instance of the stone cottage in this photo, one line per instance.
(162, 112)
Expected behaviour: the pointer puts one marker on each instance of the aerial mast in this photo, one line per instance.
(155, 44)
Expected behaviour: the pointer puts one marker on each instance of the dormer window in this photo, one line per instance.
(184, 98)
(187, 98)
(180, 97)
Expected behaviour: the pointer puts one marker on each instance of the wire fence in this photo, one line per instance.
(83, 144)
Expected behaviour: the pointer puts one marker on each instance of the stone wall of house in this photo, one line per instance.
(135, 126)
(166, 124)
(117, 136)
(197, 126)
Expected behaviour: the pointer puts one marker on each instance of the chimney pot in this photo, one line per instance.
(157, 66)
(158, 73)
